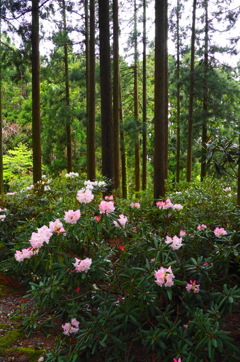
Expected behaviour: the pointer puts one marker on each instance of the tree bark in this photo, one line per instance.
(205, 96)
(144, 104)
(136, 112)
(116, 102)
(106, 91)
(91, 99)
(159, 152)
(191, 97)
(67, 94)
(36, 120)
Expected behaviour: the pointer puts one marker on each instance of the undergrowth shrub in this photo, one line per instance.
(128, 279)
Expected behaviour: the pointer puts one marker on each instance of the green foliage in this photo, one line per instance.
(17, 162)
(120, 307)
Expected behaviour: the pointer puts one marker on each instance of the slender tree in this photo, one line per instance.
(67, 92)
(205, 93)
(36, 121)
(159, 152)
(144, 103)
(106, 90)
(191, 95)
(1, 137)
(178, 94)
(91, 92)
(136, 111)
(116, 100)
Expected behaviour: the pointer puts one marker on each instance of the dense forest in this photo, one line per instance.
(140, 92)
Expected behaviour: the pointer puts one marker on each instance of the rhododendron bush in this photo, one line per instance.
(126, 275)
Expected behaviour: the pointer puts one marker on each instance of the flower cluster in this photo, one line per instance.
(135, 204)
(164, 205)
(20, 255)
(122, 220)
(219, 232)
(201, 227)
(43, 235)
(82, 265)
(72, 327)
(105, 207)
(85, 196)
(164, 276)
(72, 174)
(192, 286)
(176, 242)
(71, 216)
(56, 226)
(91, 184)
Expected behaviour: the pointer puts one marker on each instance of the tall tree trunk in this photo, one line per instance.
(159, 152)
(106, 90)
(67, 94)
(238, 176)
(178, 96)
(166, 86)
(1, 125)
(122, 150)
(205, 96)
(91, 98)
(144, 104)
(36, 121)
(191, 97)
(116, 102)
(136, 113)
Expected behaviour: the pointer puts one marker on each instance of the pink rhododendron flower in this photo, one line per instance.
(82, 265)
(71, 216)
(201, 227)
(109, 197)
(2, 217)
(176, 242)
(182, 233)
(41, 236)
(97, 218)
(72, 327)
(160, 204)
(219, 232)
(11, 193)
(85, 196)
(177, 360)
(135, 204)
(168, 204)
(20, 255)
(177, 207)
(105, 207)
(164, 277)
(122, 220)
(192, 286)
(121, 247)
(56, 226)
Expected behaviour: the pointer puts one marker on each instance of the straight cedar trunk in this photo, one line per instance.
(116, 101)
(122, 150)
(166, 86)
(144, 104)
(91, 92)
(191, 96)
(36, 121)
(159, 152)
(238, 176)
(106, 91)
(136, 112)
(1, 125)
(205, 96)
(178, 96)
(67, 94)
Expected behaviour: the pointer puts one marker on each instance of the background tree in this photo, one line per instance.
(106, 90)
(36, 121)
(160, 99)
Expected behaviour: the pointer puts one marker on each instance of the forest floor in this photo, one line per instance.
(16, 346)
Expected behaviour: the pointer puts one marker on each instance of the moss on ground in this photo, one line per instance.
(8, 339)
